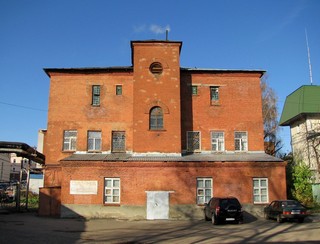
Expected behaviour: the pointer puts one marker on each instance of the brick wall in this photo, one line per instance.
(239, 108)
(70, 108)
(229, 179)
(156, 90)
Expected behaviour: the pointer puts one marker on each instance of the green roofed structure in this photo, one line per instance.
(303, 101)
(301, 112)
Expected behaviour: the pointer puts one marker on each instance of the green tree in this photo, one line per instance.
(302, 177)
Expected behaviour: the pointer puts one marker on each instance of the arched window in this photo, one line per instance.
(156, 118)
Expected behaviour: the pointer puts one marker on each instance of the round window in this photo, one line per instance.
(156, 68)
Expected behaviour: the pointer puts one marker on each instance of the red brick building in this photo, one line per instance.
(155, 140)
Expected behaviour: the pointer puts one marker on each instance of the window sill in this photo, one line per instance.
(158, 130)
(215, 103)
(69, 151)
(111, 204)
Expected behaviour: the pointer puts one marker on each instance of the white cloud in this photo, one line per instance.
(157, 29)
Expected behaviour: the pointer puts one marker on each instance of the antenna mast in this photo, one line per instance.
(309, 61)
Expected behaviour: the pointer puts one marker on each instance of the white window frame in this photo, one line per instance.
(193, 149)
(70, 142)
(260, 191)
(217, 141)
(243, 141)
(96, 146)
(204, 191)
(112, 192)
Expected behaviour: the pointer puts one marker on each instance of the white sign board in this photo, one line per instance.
(78, 187)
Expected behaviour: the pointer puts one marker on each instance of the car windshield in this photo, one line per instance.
(231, 201)
(290, 204)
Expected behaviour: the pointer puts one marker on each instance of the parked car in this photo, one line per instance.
(222, 209)
(282, 210)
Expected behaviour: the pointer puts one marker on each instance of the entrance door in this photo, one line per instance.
(157, 205)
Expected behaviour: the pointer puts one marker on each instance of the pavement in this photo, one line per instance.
(28, 227)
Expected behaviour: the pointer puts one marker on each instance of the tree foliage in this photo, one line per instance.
(302, 188)
(270, 118)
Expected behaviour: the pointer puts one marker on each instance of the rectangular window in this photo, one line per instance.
(94, 141)
(118, 90)
(204, 190)
(118, 141)
(241, 141)
(69, 140)
(111, 190)
(214, 94)
(193, 141)
(260, 190)
(217, 141)
(96, 95)
(194, 90)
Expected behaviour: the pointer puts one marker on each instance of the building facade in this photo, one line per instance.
(20, 166)
(4, 167)
(302, 113)
(155, 140)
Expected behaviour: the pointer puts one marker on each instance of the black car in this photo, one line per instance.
(222, 209)
(282, 210)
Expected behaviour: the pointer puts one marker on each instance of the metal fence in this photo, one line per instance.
(14, 196)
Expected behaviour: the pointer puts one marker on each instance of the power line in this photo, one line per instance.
(25, 107)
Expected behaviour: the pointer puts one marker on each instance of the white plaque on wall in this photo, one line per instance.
(83, 187)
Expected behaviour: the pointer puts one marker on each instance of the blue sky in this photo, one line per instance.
(225, 34)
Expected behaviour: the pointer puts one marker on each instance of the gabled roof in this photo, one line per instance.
(304, 100)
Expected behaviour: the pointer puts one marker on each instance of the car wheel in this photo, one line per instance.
(205, 216)
(214, 220)
(279, 219)
(266, 216)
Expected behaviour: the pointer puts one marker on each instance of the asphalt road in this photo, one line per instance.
(25, 228)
